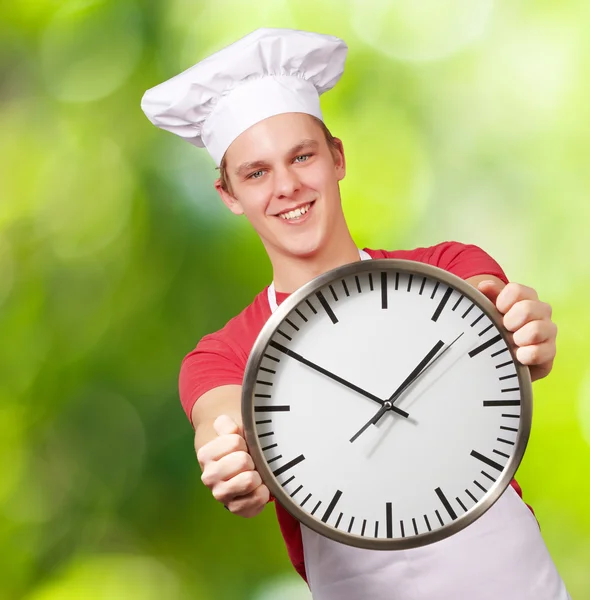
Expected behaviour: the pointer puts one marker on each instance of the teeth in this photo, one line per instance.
(294, 214)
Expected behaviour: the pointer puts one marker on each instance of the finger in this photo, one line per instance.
(525, 311)
(539, 354)
(251, 504)
(220, 447)
(240, 485)
(512, 293)
(535, 332)
(229, 466)
(225, 424)
(491, 289)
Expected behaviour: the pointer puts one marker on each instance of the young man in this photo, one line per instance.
(255, 107)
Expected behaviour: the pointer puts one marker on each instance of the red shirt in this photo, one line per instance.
(220, 358)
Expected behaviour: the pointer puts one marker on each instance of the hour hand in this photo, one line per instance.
(334, 377)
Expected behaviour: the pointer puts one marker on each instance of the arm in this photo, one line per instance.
(529, 320)
(228, 468)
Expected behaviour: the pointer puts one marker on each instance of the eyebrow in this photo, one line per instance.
(257, 164)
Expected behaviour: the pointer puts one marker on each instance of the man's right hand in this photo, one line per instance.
(228, 470)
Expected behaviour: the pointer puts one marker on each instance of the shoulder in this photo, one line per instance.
(463, 260)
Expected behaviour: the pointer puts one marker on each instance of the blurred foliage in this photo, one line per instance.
(461, 119)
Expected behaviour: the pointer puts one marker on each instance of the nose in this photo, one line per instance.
(286, 182)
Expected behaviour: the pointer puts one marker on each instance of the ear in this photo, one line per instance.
(230, 201)
(340, 160)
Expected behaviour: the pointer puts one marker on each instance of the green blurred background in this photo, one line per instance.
(462, 120)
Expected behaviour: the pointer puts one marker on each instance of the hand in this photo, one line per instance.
(529, 319)
(327, 373)
(228, 470)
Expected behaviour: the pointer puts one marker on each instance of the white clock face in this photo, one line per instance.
(385, 408)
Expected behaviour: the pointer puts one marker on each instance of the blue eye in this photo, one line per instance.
(305, 156)
(255, 175)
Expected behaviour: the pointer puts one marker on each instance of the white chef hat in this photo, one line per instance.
(266, 73)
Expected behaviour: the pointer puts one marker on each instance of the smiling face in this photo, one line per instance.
(283, 176)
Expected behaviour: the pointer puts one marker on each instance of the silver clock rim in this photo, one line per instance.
(255, 447)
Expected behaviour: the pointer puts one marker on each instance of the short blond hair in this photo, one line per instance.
(330, 140)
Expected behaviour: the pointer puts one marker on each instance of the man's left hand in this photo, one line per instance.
(529, 320)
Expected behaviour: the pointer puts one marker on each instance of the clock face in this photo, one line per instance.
(383, 405)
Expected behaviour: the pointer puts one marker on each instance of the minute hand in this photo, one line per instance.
(337, 378)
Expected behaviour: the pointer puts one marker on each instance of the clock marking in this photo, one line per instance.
(481, 486)
(478, 320)
(285, 335)
(358, 284)
(471, 496)
(508, 362)
(345, 288)
(442, 304)
(333, 293)
(276, 408)
(505, 441)
(288, 465)
(507, 377)
(371, 281)
(401, 526)
(485, 346)
(486, 329)
(363, 527)
(389, 519)
(268, 370)
(434, 290)
(415, 526)
(486, 460)
(511, 416)
(262, 396)
(275, 458)
(500, 352)
(288, 480)
(350, 525)
(326, 307)
(338, 520)
(272, 358)
(315, 312)
(293, 493)
(461, 503)
(501, 403)
(384, 289)
(501, 453)
(376, 529)
(331, 506)
(306, 499)
(264, 382)
(410, 281)
(427, 523)
(269, 447)
(422, 286)
(510, 390)
(266, 434)
(467, 311)
(508, 428)
(292, 324)
(488, 476)
(458, 301)
(263, 422)
(316, 507)
(439, 517)
(301, 314)
(396, 280)
(446, 503)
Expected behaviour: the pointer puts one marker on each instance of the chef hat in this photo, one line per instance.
(266, 73)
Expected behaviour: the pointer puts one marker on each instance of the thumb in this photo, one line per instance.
(490, 289)
(225, 425)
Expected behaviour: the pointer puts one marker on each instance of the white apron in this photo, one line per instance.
(501, 556)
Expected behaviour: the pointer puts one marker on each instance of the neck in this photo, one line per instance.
(291, 272)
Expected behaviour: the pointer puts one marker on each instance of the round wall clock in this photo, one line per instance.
(383, 404)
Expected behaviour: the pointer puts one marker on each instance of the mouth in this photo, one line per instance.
(296, 214)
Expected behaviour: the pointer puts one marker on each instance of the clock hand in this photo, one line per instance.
(327, 373)
(387, 405)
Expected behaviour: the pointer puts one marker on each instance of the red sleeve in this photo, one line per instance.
(211, 364)
(465, 260)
